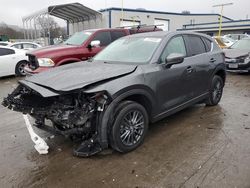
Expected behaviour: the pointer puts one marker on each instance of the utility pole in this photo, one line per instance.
(122, 12)
(222, 7)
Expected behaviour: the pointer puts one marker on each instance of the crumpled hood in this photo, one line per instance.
(51, 51)
(76, 76)
(235, 53)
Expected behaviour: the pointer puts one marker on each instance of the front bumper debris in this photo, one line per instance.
(74, 115)
(40, 145)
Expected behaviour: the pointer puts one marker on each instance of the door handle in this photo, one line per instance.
(212, 60)
(189, 69)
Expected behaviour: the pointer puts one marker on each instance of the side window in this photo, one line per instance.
(103, 37)
(27, 46)
(207, 44)
(176, 45)
(18, 46)
(3, 44)
(4, 51)
(196, 46)
(117, 34)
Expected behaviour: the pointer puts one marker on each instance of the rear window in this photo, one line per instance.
(3, 44)
(104, 38)
(26, 45)
(117, 34)
(4, 51)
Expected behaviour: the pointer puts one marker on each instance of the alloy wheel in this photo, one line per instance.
(132, 128)
(217, 92)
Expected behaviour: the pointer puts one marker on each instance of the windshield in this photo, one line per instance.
(78, 38)
(242, 44)
(130, 50)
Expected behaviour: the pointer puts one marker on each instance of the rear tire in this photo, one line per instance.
(216, 91)
(129, 127)
(20, 68)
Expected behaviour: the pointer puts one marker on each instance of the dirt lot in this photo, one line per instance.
(198, 147)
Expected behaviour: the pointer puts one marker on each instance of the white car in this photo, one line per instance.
(12, 61)
(227, 41)
(25, 45)
(5, 43)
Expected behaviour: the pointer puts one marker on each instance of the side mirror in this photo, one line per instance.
(94, 43)
(174, 58)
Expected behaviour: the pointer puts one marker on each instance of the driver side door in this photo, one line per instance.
(173, 83)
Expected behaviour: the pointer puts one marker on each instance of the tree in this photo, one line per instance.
(11, 33)
(186, 12)
(49, 27)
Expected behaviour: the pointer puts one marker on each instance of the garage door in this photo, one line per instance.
(163, 24)
(128, 23)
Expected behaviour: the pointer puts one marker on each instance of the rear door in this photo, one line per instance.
(201, 62)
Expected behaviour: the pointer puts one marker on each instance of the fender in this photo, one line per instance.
(220, 67)
(65, 61)
(105, 117)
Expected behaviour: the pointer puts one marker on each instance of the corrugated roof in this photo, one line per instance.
(73, 12)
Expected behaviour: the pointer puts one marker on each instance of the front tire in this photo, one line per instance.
(20, 68)
(216, 91)
(129, 128)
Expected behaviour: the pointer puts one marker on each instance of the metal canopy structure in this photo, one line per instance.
(71, 13)
(74, 12)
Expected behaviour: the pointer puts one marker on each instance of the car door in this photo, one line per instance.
(200, 62)
(172, 82)
(105, 39)
(7, 61)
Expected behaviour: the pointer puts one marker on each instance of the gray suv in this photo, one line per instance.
(136, 80)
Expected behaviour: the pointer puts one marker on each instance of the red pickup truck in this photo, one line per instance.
(79, 47)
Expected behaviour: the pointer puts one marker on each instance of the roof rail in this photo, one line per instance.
(140, 26)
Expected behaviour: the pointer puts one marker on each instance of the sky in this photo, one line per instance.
(12, 11)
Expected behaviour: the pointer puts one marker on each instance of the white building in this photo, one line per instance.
(80, 17)
(168, 21)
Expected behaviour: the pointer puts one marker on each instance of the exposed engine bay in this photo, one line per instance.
(74, 115)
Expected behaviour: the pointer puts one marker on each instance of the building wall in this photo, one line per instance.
(226, 24)
(228, 27)
(175, 21)
(112, 18)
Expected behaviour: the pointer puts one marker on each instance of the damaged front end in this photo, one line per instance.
(75, 115)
